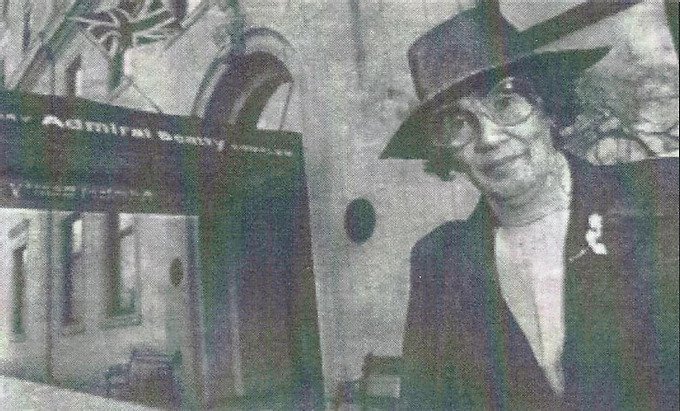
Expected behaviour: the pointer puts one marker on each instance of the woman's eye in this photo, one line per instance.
(502, 103)
(455, 123)
(456, 128)
(510, 108)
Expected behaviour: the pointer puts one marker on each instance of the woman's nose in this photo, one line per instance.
(490, 134)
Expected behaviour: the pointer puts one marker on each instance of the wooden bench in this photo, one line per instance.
(147, 377)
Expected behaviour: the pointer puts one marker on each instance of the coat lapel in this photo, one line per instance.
(512, 378)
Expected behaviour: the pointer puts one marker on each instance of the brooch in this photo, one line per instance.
(593, 236)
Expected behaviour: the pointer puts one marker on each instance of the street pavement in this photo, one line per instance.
(18, 394)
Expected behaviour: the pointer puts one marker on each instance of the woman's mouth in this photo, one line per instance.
(501, 164)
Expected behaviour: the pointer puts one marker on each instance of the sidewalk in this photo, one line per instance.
(17, 394)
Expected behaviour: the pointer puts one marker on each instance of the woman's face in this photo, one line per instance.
(505, 161)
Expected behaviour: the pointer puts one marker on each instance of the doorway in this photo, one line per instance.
(262, 339)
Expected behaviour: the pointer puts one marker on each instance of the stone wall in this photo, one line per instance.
(79, 354)
(24, 354)
(84, 355)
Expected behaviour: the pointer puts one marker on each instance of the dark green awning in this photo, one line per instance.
(71, 153)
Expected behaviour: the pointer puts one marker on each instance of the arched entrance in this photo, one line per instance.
(262, 340)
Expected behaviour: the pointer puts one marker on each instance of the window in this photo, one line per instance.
(116, 71)
(73, 247)
(179, 8)
(26, 33)
(18, 290)
(120, 67)
(182, 8)
(127, 63)
(123, 290)
(5, 9)
(74, 78)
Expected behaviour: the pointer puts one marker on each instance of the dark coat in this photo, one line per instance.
(464, 350)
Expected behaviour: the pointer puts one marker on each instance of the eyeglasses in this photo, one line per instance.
(509, 103)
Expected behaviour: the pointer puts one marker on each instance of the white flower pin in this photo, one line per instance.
(594, 234)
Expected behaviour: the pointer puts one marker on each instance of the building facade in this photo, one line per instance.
(81, 290)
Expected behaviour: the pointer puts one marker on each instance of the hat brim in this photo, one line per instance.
(559, 66)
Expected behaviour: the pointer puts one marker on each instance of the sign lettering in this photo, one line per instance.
(78, 154)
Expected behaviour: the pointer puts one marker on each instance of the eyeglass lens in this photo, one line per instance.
(457, 128)
(507, 104)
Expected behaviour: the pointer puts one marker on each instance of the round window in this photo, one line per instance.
(360, 220)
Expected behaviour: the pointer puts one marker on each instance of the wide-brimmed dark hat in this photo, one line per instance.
(473, 51)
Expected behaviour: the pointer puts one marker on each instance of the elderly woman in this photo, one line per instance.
(561, 289)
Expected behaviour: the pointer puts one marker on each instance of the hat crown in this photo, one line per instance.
(473, 51)
(471, 42)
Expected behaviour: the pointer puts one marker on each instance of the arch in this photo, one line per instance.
(243, 91)
(258, 41)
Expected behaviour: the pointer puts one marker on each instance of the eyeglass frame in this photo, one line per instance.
(437, 117)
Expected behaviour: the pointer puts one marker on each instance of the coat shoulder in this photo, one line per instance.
(432, 244)
(642, 188)
(436, 258)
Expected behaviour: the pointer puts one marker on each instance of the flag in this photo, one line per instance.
(130, 24)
